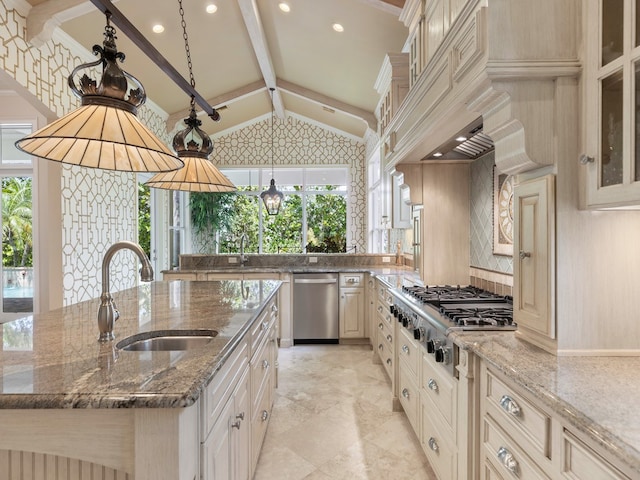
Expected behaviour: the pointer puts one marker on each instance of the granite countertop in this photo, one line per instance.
(375, 269)
(597, 395)
(53, 360)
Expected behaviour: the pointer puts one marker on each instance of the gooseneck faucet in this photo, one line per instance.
(243, 240)
(108, 312)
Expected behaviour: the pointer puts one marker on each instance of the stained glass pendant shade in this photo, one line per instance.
(104, 132)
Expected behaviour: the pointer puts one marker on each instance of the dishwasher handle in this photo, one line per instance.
(315, 280)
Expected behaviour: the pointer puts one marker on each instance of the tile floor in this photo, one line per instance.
(332, 419)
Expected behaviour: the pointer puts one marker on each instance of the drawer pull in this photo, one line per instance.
(507, 460)
(405, 349)
(380, 347)
(509, 405)
(524, 254)
(380, 326)
(240, 416)
(433, 445)
(265, 364)
(265, 415)
(264, 325)
(389, 361)
(432, 384)
(236, 424)
(405, 393)
(379, 308)
(274, 308)
(389, 338)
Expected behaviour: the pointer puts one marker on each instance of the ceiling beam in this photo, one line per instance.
(253, 22)
(390, 6)
(45, 17)
(221, 100)
(368, 117)
(126, 27)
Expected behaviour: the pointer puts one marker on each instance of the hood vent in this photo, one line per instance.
(468, 144)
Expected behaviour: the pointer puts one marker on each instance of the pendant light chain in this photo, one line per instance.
(272, 89)
(187, 50)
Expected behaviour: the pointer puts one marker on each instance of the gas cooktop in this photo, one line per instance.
(463, 307)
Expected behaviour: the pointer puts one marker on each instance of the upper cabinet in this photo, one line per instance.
(612, 109)
(392, 85)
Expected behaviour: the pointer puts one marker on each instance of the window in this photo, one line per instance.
(313, 217)
(17, 223)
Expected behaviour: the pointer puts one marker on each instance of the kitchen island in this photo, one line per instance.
(72, 404)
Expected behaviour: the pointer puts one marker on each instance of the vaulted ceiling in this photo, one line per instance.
(244, 48)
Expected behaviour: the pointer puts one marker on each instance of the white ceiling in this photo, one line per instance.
(246, 47)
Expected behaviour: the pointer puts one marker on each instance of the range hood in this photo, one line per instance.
(468, 144)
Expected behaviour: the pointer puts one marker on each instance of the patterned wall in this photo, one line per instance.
(482, 218)
(300, 143)
(98, 207)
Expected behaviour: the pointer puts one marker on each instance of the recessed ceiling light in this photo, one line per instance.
(338, 28)
(284, 7)
(437, 154)
(212, 8)
(461, 138)
(157, 28)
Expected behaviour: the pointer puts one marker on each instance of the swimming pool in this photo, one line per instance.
(17, 292)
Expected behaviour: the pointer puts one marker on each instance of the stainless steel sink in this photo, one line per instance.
(167, 340)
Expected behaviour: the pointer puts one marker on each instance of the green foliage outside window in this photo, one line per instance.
(144, 218)
(17, 226)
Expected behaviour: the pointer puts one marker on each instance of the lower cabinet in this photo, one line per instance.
(521, 439)
(225, 452)
(236, 407)
(352, 305)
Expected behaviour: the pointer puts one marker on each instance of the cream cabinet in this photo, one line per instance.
(521, 438)
(352, 305)
(612, 118)
(534, 261)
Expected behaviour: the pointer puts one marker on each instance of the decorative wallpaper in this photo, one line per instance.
(98, 206)
(300, 143)
(481, 229)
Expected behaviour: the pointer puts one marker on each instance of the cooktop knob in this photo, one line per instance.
(442, 355)
(431, 347)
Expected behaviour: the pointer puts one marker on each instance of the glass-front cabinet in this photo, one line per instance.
(612, 104)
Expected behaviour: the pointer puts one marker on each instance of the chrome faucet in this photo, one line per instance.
(108, 312)
(243, 240)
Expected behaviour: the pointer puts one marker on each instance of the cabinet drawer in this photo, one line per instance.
(384, 296)
(385, 351)
(384, 313)
(259, 329)
(440, 387)
(259, 423)
(437, 444)
(504, 454)
(581, 463)
(409, 352)
(409, 395)
(221, 387)
(528, 425)
(352, 280)
(260, 368)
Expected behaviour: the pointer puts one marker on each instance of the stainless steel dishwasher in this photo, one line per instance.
(315, 308)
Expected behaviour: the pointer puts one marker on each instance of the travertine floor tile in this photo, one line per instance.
(332, 419)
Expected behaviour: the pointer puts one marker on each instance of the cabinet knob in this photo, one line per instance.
(506, 458)
(405, 393)
(405, 349)
(236, 425)
(524, 254)
(389, 361)
(586, 159)
(433, 445)
(240, 416)
(509, 405)
(432, 384)
(265, 415)
(389, 338)
(265, 364)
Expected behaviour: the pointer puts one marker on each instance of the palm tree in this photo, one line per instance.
(17, 215)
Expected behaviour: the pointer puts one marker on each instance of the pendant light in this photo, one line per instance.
(194, 147)
(104, 132)
(272, 198)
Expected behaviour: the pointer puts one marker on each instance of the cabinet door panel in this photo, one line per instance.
(352, 313)
(534, 256)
